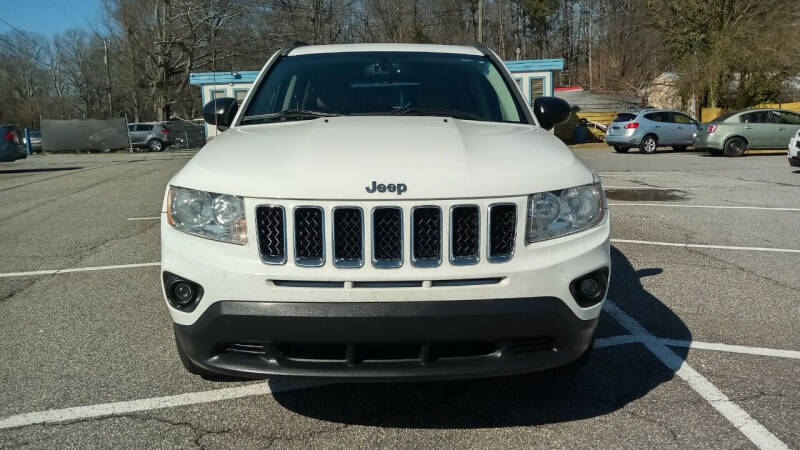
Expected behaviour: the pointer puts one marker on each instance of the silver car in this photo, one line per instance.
(650, 129)
(153, 135)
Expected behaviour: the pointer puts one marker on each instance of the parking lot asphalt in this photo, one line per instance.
(699, 345)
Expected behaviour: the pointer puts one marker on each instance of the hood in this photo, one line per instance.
(338, 158)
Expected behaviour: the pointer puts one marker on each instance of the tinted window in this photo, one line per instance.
(755, 117)
(144, 127)
(131, 127)
(786, 117)
(681, 118)
(658, 117)
(624, 117)
(383, 83)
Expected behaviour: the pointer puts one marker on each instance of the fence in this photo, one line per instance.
(91, 134)
(709, 114)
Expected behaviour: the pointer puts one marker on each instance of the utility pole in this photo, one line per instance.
(480, 20)
(108, 77)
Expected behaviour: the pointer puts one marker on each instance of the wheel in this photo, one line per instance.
(714, 151)
(649, 144)
(155, 145)
(621, 149)
(680, 148)
(735, 147)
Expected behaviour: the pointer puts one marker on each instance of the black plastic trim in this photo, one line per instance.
(425, 323)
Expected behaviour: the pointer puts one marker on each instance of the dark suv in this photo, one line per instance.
(153, 135)
(11, 148)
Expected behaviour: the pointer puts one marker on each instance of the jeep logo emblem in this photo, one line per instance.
(391, 187)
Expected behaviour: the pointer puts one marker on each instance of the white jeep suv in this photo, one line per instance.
(383, 211)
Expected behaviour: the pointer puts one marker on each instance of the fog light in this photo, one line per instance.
(589, 289)
(181, 293)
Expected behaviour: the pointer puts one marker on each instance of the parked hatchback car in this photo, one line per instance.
(650, 129)
(733, 134)
(155, 136)
(362, 218)
(11, 148)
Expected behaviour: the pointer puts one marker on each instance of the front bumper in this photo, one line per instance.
(386, 340)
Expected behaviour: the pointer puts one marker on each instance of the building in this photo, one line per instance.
(534, 77)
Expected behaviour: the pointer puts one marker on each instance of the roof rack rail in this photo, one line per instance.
(286, 49)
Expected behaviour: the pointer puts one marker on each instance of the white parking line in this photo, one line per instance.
(144, 218)
(77, 269)
(718, 247)
(738, 417)
(760, 351)
(147, 404)
(668, 205)
(651, 188)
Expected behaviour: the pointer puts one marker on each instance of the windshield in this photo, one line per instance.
(383, 83)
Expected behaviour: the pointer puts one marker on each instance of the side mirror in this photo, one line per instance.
(551, 111)
(220, 112)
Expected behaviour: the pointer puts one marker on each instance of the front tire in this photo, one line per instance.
(649, 144)
(621, 149)
(155, 145)
(735, 147)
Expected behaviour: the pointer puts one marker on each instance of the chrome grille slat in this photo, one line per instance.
(426, 236)
(271, 229)
(309, 236)
(348, 236)
(502, 232)
(465, 234)
(387, 237)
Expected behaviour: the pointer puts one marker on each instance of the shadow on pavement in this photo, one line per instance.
(613, 377)
(43, 169)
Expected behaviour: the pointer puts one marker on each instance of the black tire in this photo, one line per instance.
(735, 146)
(155, 145)
(621, 149)
(680, 148)
(649, 144)
(715, 152)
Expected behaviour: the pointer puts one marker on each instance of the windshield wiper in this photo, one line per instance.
(287, 114)
(435, 111)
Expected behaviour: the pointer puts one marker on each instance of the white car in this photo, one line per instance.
(794, 149)
(384, 211)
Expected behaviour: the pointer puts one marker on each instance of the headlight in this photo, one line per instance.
(214, 216)
(557, 213)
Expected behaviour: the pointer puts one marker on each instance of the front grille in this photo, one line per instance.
(271, 228)
(384, 352)
(426, 236)
(464, 234)
(387, 237)
(387, 230)
(348, 237)
(502, 231)
(309, 236)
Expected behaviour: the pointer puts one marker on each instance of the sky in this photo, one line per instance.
(49, 17)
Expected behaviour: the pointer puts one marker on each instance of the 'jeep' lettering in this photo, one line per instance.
(400, 188)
